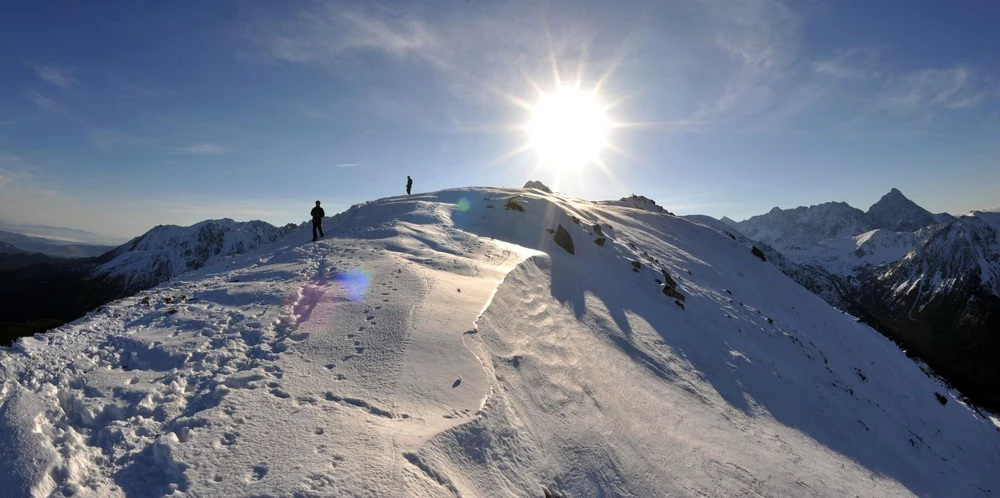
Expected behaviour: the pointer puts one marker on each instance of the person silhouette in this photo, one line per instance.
(409, 184)
(317, 216)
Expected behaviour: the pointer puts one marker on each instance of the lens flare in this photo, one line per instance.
(462, 205)
(354, 283)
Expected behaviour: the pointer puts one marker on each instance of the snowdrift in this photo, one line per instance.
(483, 342)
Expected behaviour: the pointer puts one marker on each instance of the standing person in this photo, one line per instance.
(317, 214)
(409, 184)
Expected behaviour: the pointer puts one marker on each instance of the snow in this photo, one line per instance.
(439, 345)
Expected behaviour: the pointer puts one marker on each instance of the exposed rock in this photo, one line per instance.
(670, 287)
(600, 241)
(758, 253)
(899, 214)
(635, 266)
(537, 185)
(643, 202)
(597, 229)
(512, 205)
(673, 293)
(563, 240)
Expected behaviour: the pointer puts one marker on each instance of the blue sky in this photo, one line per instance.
(116, 116)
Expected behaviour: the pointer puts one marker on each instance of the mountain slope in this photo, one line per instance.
(440, 344)
(942, 300)
(7, 248)
(897, 213)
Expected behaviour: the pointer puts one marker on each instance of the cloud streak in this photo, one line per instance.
(43, 102)
(109, 140)
(62, 78)
(206, 149)
(330, 34)
(950, 88)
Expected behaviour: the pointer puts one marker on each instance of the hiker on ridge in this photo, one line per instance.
(409, 184)
(317, 215)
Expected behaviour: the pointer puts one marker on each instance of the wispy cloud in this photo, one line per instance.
(205, 149)
(851, 64)
(331, 33)
(111, 139)
(60, 77)
(15, 170)
(950, 88)
(346, 165)
(314, 113)
(760, 38)
(136, 90)
(43, 102)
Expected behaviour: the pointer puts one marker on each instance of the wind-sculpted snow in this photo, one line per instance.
(440, 345)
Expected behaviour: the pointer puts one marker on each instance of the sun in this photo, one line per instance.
(568, 128)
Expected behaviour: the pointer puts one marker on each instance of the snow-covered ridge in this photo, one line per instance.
(440, 344)
(169, 250)
(638, 202)
(803, 227)
(951, 253)
(926, 255)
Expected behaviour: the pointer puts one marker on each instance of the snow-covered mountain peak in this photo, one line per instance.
(483, 342)
(894, 211)
(166, 251)
(802, 227)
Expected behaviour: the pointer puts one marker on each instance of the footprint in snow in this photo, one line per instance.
(258, 473)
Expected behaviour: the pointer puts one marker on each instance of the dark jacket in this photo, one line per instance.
(317, 214)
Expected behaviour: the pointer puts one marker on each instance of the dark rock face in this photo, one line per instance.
(670, 288)
(600, 241)
(537, 185)
(643, 202)
(897, 213)
(563, 240)
(512, 205)
(757, 252)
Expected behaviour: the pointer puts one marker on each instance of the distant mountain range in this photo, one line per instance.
(929, 281)
(41, 292)
(50, 247)
(69, 235)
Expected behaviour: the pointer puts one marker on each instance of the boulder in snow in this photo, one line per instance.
(537, 185)
(564, 240)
